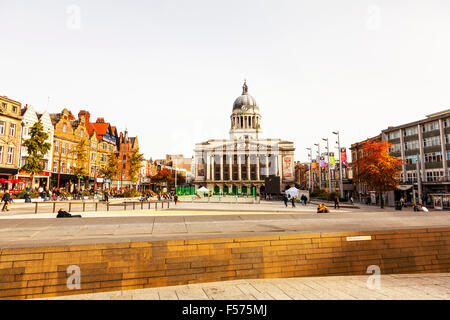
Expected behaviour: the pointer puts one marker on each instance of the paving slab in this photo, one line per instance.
(401, 287)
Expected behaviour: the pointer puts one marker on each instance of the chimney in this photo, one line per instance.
(100, 120)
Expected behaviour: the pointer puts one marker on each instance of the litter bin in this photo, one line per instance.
(398, 205)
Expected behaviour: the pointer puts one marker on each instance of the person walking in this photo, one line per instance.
(351, 200)
(175, 199)
(336, 202)
(293, 201)
(304, 199)
(6, 199)
(285, 200)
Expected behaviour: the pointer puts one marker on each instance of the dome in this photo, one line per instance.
(245, 99)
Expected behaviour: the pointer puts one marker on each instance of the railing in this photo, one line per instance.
(108, 204)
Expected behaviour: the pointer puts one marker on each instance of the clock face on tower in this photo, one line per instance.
(244, 108)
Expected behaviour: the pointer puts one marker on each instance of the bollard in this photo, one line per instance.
(125, 206)
(149, 205)
(84, 206)
(168, 204)
(70, 206)
(96, 204)
(35, 209)
(156, 206)
(107, 206)
(142, 205)
(54, 207)
(134, 205)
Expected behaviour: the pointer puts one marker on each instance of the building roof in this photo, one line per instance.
(245, 99)
(429, 118)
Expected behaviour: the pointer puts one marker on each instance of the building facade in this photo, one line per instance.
(240, 164)
(425, 145)
(10, 137)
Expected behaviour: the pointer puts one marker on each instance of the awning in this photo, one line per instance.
(404, 187)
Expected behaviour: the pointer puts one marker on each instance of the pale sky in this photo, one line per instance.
(169, 71)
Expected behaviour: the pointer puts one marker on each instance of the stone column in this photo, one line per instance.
(239, 167)
(221, 168)
(213, 175)
(208, 166)
(231, 167)
(248, 168)
(257, 168)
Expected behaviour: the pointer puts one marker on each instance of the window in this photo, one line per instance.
(411, 159)
(394, 135)
(14, 109)
(62, 166)
(25, 131)
(64, 127)
(10, 155)
(56, 146)
(433, 157)
(435, 175)
(395, 148)
(411, 175)
(4, 105)
(411, 145)
(432, 141)
(430, 126)
(12, 130)
(1, 154)
(69, 148)
(446, 122)
(2, 127)
(410, 131)
(63, 148)
(55, 166)
(68, 167)
(82, 133)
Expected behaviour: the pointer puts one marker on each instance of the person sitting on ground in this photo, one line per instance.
(322, 208)
(65, 214)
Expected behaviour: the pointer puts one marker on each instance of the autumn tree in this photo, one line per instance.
(80, 169)
(377, 168)
(135, 164)
(37, 148)
(168, 176)
(112, 167)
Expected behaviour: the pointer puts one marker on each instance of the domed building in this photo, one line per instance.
(241, 164)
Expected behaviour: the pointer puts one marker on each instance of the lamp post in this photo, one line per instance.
(320, 169)
(310, 168)
(329, 169)
(341, 185)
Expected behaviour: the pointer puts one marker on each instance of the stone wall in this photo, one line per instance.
(42, 271)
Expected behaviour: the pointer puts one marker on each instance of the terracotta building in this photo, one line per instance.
(126, 145)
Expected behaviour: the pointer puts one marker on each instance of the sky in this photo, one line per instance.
(169, 71)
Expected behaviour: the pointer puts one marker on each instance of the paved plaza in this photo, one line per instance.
(434, 286)
(202, 220)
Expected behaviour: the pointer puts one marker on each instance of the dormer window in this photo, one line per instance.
(65, 128)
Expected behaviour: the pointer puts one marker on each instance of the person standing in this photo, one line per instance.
(351, 200)
(285, 200)
(6, 199)
(175, 198)
(293, 201)
(336, 202)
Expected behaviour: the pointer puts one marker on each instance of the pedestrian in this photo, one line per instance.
(336, 202)
(304, 199)
(351, 200)
(293, 202)
(285, 199)
(175, 198)
(6, 199)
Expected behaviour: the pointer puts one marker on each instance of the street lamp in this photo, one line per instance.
(341, 185)
(329, 169)
(310, 168)
(320, 169)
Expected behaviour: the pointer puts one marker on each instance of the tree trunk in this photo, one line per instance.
(32, 182)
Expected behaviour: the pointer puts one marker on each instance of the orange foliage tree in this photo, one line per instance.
(377, 168)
